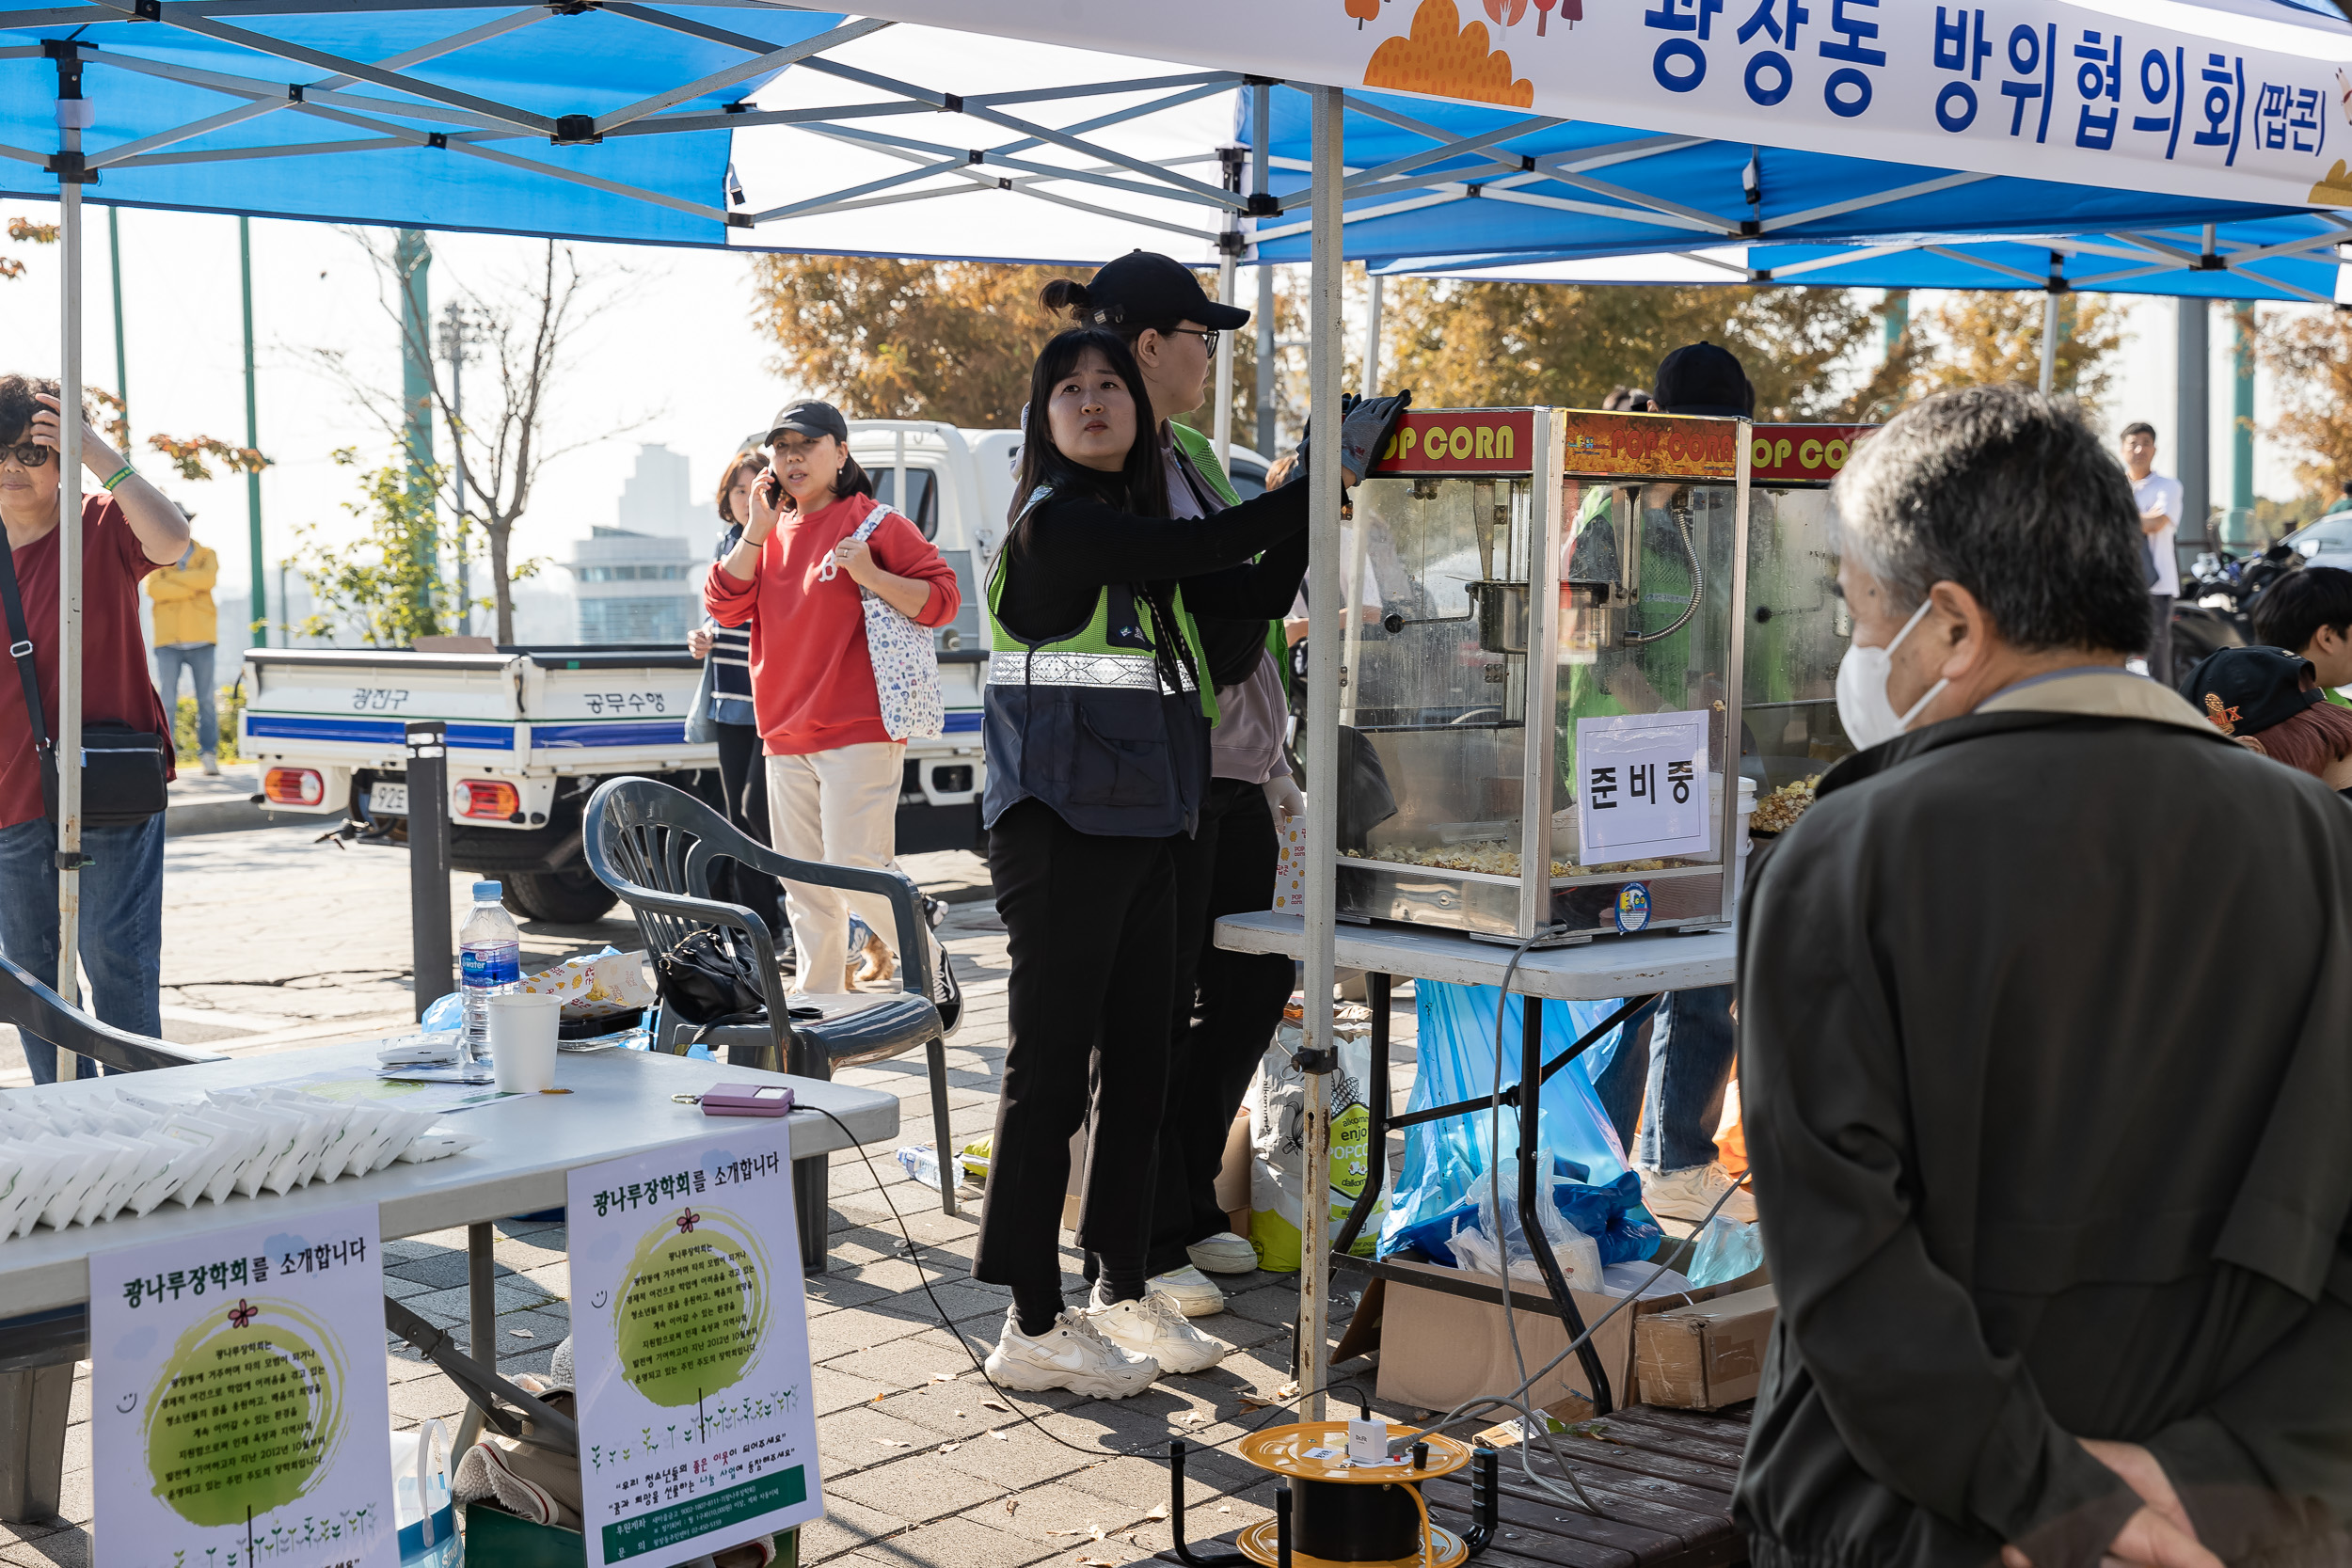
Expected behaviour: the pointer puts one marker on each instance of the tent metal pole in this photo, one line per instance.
(2049, 340)
(1261, 173)
(1323, 599)
(1224, 361)
(72, 115)
(1372, 341)
(2192, 417)
(256, 617)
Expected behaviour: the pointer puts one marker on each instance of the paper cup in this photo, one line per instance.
(522, 1041)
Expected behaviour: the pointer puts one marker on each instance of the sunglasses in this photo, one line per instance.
(27, 455)
(1209, 337)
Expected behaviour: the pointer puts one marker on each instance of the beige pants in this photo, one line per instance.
(840, 807)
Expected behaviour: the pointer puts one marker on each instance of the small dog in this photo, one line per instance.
(871, 963)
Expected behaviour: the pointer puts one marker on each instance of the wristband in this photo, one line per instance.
(117, 477)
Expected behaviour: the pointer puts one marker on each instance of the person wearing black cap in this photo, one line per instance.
(1171, 327)
(2269, 701)
(816, 543)
(1681, 1057)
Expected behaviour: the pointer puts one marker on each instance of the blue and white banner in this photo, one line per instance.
(2249, 111)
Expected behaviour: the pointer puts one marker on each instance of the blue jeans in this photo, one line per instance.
(197, 659)
(1681, 1053)
(122, 923)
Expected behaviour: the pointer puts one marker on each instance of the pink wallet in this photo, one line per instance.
(747, 1099)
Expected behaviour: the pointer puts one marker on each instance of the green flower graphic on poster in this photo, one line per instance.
(690, 1349)
(239, 1403)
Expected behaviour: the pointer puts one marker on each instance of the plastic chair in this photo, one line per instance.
(654, 846)
(37, 1353)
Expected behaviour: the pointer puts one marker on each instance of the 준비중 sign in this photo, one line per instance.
(238, 1409)
(1642, 790)
(689, 1346)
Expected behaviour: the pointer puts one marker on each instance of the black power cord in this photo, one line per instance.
(1274, 1407)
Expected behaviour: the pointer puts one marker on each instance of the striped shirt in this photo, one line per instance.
(731, 659)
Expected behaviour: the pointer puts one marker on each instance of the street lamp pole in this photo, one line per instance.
(458, 337)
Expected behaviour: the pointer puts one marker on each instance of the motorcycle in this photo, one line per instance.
(2215, 606)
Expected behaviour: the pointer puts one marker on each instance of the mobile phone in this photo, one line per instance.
(747, 1099)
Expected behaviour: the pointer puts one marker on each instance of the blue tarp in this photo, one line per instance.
(593, 62)
(1682, 198)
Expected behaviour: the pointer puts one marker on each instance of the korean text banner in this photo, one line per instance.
(2027, 88)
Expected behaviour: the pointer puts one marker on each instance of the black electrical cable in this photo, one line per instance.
(1274, 1407)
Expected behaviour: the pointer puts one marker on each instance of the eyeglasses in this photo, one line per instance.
(1210, 339)
(27, 456)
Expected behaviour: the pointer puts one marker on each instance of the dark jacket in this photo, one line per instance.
(2048, 1114)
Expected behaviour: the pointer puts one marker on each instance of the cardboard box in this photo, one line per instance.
(1706, 1356)
(1438, 1349)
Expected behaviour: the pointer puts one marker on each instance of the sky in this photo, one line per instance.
(675, 359)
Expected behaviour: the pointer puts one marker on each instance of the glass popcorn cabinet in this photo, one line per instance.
(1546, 631)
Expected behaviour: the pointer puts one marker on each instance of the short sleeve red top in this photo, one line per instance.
(115, 683)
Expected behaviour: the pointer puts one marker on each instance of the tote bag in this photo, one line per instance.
(906, 662)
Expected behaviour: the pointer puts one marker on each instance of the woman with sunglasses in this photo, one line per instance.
(1096, 728)
(128, 529)
(1225, 1005)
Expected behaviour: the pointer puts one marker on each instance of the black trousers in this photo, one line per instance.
(1225, 1009)
(1090, 933)
(744, 780)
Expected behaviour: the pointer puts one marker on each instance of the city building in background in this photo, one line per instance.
(631, 587)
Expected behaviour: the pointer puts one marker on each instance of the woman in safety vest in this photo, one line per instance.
(1097, 735)
(1157, 306)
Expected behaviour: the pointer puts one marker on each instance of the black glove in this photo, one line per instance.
(1365, 426)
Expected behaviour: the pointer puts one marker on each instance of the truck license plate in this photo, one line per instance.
(388, 800)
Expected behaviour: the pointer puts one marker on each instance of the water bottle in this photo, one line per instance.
(921, 1162)
(490, 963)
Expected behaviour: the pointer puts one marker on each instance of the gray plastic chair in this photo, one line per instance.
(37, 1353)
(654, 846)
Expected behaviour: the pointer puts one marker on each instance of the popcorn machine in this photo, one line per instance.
(1546, 629)
(1540, 650)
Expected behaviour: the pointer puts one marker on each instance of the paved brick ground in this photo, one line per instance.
(923, 1467)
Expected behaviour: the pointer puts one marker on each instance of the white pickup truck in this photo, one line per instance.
(534, 731)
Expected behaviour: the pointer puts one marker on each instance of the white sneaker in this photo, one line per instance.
(1191, 1289)
(1687, 1195)
(1155, 1329)
(1223, 1252)
(1072, 1355)
(212, 765)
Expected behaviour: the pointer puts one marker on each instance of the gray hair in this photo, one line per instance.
(2010, 494)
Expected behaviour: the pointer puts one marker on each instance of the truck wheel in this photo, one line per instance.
(572, 897)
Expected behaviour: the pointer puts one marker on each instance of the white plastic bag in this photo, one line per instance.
(422, 1504)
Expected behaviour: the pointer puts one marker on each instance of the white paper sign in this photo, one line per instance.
(689, 1344)
(1641, 788)
(238, 1409)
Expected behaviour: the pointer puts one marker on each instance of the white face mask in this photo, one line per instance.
(1862, 705)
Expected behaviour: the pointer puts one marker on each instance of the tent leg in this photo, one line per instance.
(1324, 600)
(73, 114)
(2049, 342)
(1261, 109)
(1224, 361)
(1372, 341)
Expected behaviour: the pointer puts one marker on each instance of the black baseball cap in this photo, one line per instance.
(1703, 378)
(2247, 691)
(808, 417)
(1146, 289)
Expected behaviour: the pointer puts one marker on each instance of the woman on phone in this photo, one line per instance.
(1097, 735)
(833, 768)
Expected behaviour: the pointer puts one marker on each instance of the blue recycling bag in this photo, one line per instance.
(1445, 1162)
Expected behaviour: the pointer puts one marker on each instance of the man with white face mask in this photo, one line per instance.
(2056, 1199)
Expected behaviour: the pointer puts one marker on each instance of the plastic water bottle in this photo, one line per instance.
(490, 963)
(921, 1162)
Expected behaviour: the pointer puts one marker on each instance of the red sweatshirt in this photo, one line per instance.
(812, 679)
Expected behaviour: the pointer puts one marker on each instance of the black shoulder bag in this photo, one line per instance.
(122, 769)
